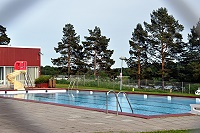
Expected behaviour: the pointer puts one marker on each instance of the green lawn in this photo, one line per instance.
(176, 131)
(65, 86)
(166, 131)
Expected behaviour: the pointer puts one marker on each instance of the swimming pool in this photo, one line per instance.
(148, 105)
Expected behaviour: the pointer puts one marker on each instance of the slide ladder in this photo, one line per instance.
(27, 78)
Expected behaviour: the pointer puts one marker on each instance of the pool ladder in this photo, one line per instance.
(117, 101)
(71, 84)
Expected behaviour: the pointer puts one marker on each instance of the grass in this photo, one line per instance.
(65, 86)
(176, 131)
(149, 91)
(165, 131)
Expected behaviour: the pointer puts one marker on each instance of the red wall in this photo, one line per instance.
(8, 55)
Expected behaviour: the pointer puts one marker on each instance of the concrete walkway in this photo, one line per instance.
(27, 117)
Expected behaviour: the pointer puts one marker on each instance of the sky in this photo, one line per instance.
(39, 23)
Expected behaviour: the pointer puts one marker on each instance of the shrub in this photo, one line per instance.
(42, 79)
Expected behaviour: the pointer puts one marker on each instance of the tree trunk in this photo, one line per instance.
(68, 59)
(95, 63)
(163, 67)
(139, 69)
(163, 79)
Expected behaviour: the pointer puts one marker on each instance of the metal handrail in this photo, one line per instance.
(117, 102)
(69, 85)
(126, 99)
(72, 86)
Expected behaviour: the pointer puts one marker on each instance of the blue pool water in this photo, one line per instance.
(150, 105)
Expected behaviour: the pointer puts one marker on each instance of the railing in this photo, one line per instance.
(126, 99)
(117, 102)
(72, 83)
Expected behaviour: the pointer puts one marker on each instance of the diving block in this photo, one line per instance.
(195, 109)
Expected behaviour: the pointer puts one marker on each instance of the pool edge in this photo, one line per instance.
(99, 110)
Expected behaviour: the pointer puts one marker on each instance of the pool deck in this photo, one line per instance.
(18, 116)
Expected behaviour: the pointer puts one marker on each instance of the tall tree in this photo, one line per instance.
(4, 39)
(138, 49)
(69, 49)
(164, 37)
(97, 54)
(193, 45)
(191, 56)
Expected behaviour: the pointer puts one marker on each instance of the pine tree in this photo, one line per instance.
(138, 49)
(193, 46)
(191, 57)
(69, 49)
(97, 54)
(4, 39)
(164, 37)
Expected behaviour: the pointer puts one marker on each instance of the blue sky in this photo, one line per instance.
(39, 23)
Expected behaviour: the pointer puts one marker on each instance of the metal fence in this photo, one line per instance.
(183, 87)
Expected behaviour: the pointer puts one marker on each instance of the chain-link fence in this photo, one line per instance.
(183, 87)
(129, 84)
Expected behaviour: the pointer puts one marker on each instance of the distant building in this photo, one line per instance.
(10, 54)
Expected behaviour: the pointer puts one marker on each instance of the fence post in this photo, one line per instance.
(189, 88)
(84, 80)
(146, 82)
(113, 82)
(182, 87)
(98, 81)
(77, 82)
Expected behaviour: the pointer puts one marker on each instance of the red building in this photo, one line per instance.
(10, 54)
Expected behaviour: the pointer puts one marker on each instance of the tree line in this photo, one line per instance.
(157, 52)
(79, 59)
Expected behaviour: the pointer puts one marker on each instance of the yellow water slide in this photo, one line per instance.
(11, 77)
(19, 68)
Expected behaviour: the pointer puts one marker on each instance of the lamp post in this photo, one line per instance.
(121, 58)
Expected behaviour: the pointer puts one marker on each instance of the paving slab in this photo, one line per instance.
(28, 117)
